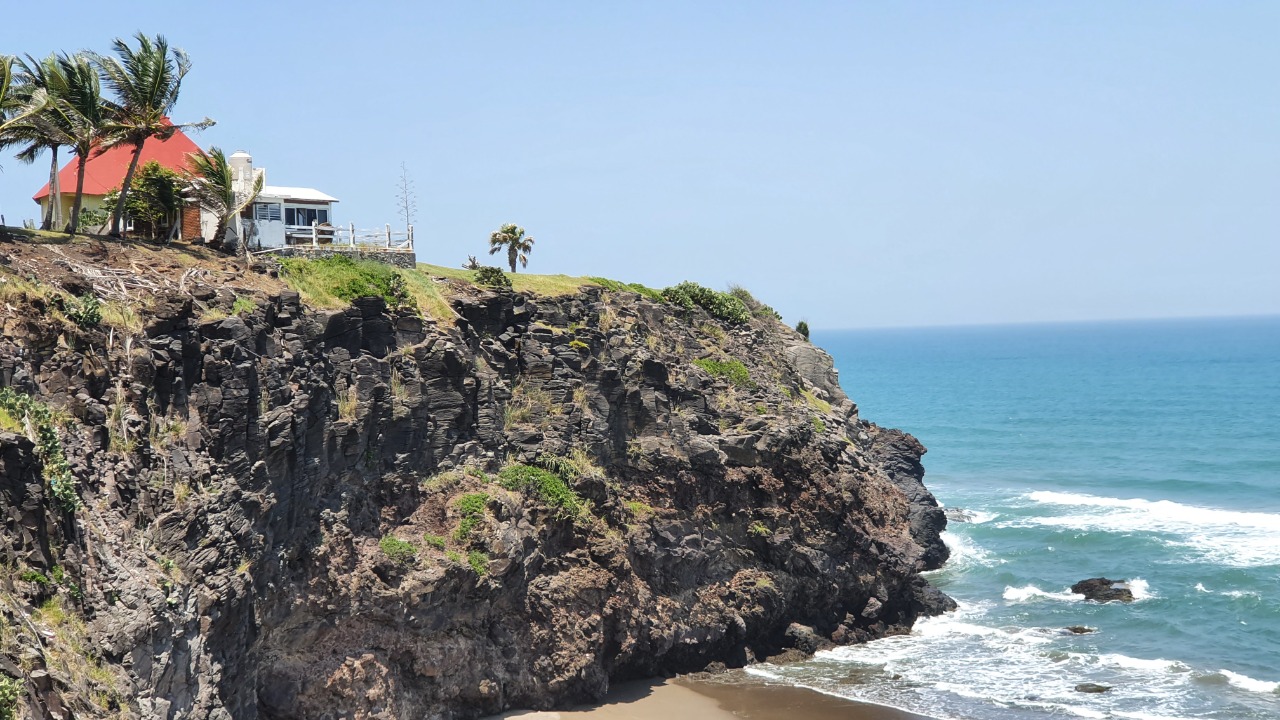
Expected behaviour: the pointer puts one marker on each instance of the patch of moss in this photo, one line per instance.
(732, 370)
(550, 487)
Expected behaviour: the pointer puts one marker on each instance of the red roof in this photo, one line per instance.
(105, 172)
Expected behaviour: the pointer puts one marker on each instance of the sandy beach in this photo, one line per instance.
(685, 699)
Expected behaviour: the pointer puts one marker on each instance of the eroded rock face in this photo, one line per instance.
(238, 476)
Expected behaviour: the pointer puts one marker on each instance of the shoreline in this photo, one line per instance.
(742, 698)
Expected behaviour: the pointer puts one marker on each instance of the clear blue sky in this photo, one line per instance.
(855, 164)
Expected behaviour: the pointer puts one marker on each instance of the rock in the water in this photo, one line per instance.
(959, 515)
(1103, 590)
(1092, 688)
(1080, 629)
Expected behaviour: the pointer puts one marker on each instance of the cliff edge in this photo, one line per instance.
(232, 504)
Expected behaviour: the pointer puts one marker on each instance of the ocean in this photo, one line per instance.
(1142, 451)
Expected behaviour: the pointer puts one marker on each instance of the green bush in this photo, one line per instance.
(615, 286)
(579, 345)
(478, 562)
(57, 471)
(757, 308)
(10, 693)
(435, 541)
(492, 277)
(397, 550)
(548, 486)
(472, 506)
(732, 370)
(85, 311)
(759, 529)
(722, 306)
(819, 425)
(802, 327)
(243, 306)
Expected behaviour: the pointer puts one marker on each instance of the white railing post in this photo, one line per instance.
(388, 234)
(352, 228)
(314, 240)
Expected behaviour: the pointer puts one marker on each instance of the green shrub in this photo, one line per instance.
(548, 486)
(57, 471)
(471, 506)
(478, 562)
(757, 308)
(579, 345)
(732, 370)
(615, 286)
(815, 402)
(492, 277)
(397, 550)
(453, 556)
(759, 529)
(10, 693)
(435, 541)
(802, 327)
(819, 425)
(32, 576)
(722, 306)
(84, 311)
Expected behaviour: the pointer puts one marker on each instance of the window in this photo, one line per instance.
(266, 211)
(305, 216)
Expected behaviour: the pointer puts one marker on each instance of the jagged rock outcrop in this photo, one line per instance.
(244, 482)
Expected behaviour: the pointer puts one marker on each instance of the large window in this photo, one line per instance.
(305, 216)
(266, 211)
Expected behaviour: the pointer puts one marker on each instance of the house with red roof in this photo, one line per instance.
(276, 212)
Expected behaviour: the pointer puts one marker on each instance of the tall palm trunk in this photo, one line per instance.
(124, 191)
(511, 256)
(82, 160)
(54, 212)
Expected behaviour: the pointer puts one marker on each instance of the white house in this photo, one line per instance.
(280, 215)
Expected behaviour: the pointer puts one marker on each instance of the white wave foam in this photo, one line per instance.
(1201, 588)
(1138, 715)
(1242, 539)
(1140, 589)
(1031, 592)
(1244, 682)
(1241, 593)
(966, 553)
(1159, 665)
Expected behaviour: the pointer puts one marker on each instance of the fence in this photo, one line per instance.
(385, 238)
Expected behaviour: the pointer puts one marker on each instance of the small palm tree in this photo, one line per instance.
(213, 186)
(146, 82)
(44, 129)
(517, 245)
(86, 114)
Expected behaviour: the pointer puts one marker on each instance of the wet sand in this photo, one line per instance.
(692, 700)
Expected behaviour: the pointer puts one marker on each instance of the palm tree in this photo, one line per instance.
(513, 239)
(146, 82)
(213, 186)
(86, 114)
(41, 130)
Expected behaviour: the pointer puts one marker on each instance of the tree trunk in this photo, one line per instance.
(55, 198)
(75, 204)
(511, 257)
(118, 217)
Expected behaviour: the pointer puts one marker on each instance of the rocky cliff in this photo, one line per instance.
(274, 511)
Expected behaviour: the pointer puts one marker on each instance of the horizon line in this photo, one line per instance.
(1029, 323)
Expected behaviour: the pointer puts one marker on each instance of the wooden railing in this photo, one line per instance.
(316, 235)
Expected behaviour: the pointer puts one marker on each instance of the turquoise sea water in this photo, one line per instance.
(1147, 451)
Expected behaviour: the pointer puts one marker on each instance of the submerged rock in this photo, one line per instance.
(1080, 629)
(1101, 589)
(1092, 688)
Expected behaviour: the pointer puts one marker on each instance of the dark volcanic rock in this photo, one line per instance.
(1103, 590)
(1092, 688)
(1079, 629)
(244, 482)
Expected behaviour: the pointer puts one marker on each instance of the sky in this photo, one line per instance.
(852, 164)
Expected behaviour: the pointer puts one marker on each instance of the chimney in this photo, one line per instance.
(241, 164)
